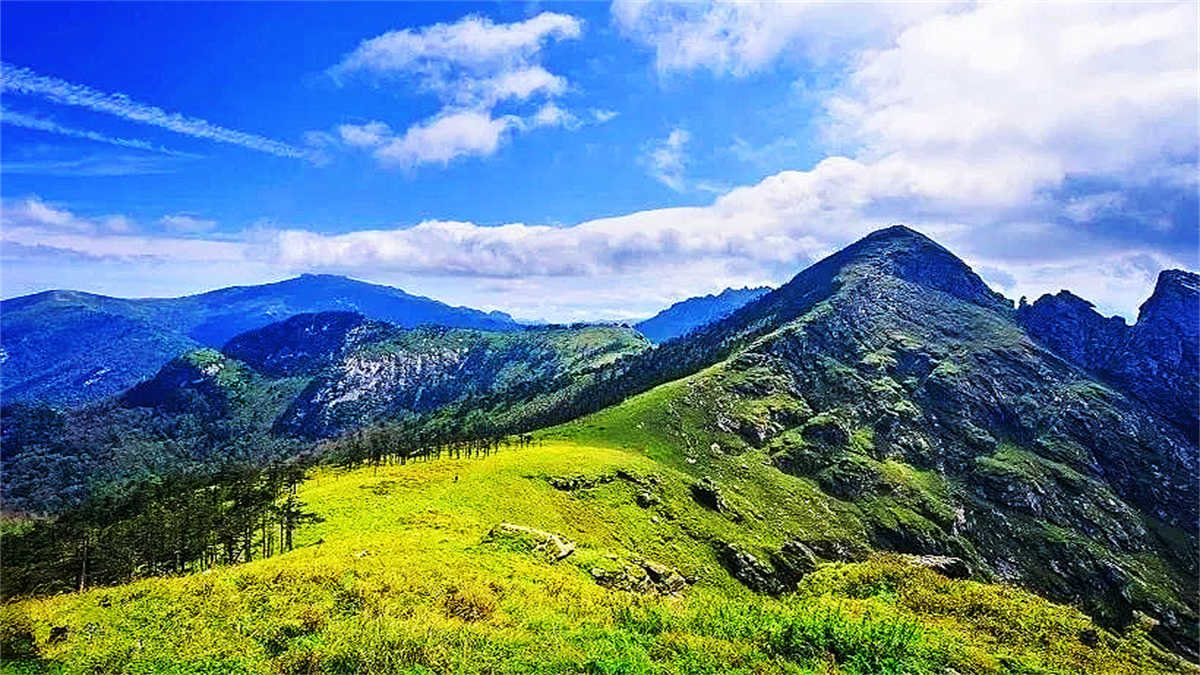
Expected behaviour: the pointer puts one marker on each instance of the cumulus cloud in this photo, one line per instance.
(445, 138)
(988, 106)
(473, 43)
(1014, 133)
(1019, 135)
(471, 66)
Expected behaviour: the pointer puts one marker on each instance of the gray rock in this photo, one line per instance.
(552, 546)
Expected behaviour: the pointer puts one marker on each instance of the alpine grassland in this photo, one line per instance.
(410, 573)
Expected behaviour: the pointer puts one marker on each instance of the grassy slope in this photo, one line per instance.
(401, 577)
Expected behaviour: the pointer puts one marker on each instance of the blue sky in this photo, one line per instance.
(586, 160)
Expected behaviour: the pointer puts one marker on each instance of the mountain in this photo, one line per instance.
(682, 317)
(907, 391)
(1156, 360)
(310, 377)
(363, 371)
(823, 447)
(68, 348)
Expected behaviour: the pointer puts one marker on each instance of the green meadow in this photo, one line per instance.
(405, 575)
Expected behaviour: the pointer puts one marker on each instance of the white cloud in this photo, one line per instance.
(24, 81)
(986, 107)
(31, 222)
(964, 125)
(516, 84)
(473, 43)
(740, 38)
(602, 116)
(550, 115)
(182, 223)
(1086, 208)
(445, 138)
(40, 124)
(668, 160)
(369, 135)
(471, 66)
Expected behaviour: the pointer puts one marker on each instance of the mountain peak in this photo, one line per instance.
(1175, 299)
(904, 253)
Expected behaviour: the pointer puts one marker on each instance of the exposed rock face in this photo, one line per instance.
(747, 569)
(1071, 326)
(303, 344)
(364, 372)
(947, 566)
(1161, 365)
(919, 400)
(708, 494)
(70, 348)
(1156, 360)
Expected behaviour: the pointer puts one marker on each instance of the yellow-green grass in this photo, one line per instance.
(401, 577)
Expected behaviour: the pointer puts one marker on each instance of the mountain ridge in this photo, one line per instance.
(686, 315)
(1157, 359)
(126, 340)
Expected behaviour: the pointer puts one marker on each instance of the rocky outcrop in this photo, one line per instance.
(707, 494)
(551, 546)
(1073, 328)
(304, 344)
(641, 576)
(756, 575)
(947, 566)
(1155, 360)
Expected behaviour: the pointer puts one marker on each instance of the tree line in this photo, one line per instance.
(172, 524)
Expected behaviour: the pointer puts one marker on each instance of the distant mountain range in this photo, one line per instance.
(685, 316)
(69, 347)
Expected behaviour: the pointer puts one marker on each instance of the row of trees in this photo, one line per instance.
(415, 439)
(161, 525)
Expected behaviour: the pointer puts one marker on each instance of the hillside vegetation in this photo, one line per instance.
(409, 573)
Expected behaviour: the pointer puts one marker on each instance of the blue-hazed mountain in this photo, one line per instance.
(685, 316)
(1156, 360)
(69, 347)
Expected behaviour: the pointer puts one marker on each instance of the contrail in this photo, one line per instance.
(25, 81)
(30, 122)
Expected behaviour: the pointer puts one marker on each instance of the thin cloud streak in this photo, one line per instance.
(25, 81)
(38, 124)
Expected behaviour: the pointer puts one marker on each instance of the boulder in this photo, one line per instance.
(552, 546)
(953, 568)
(641, 576)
